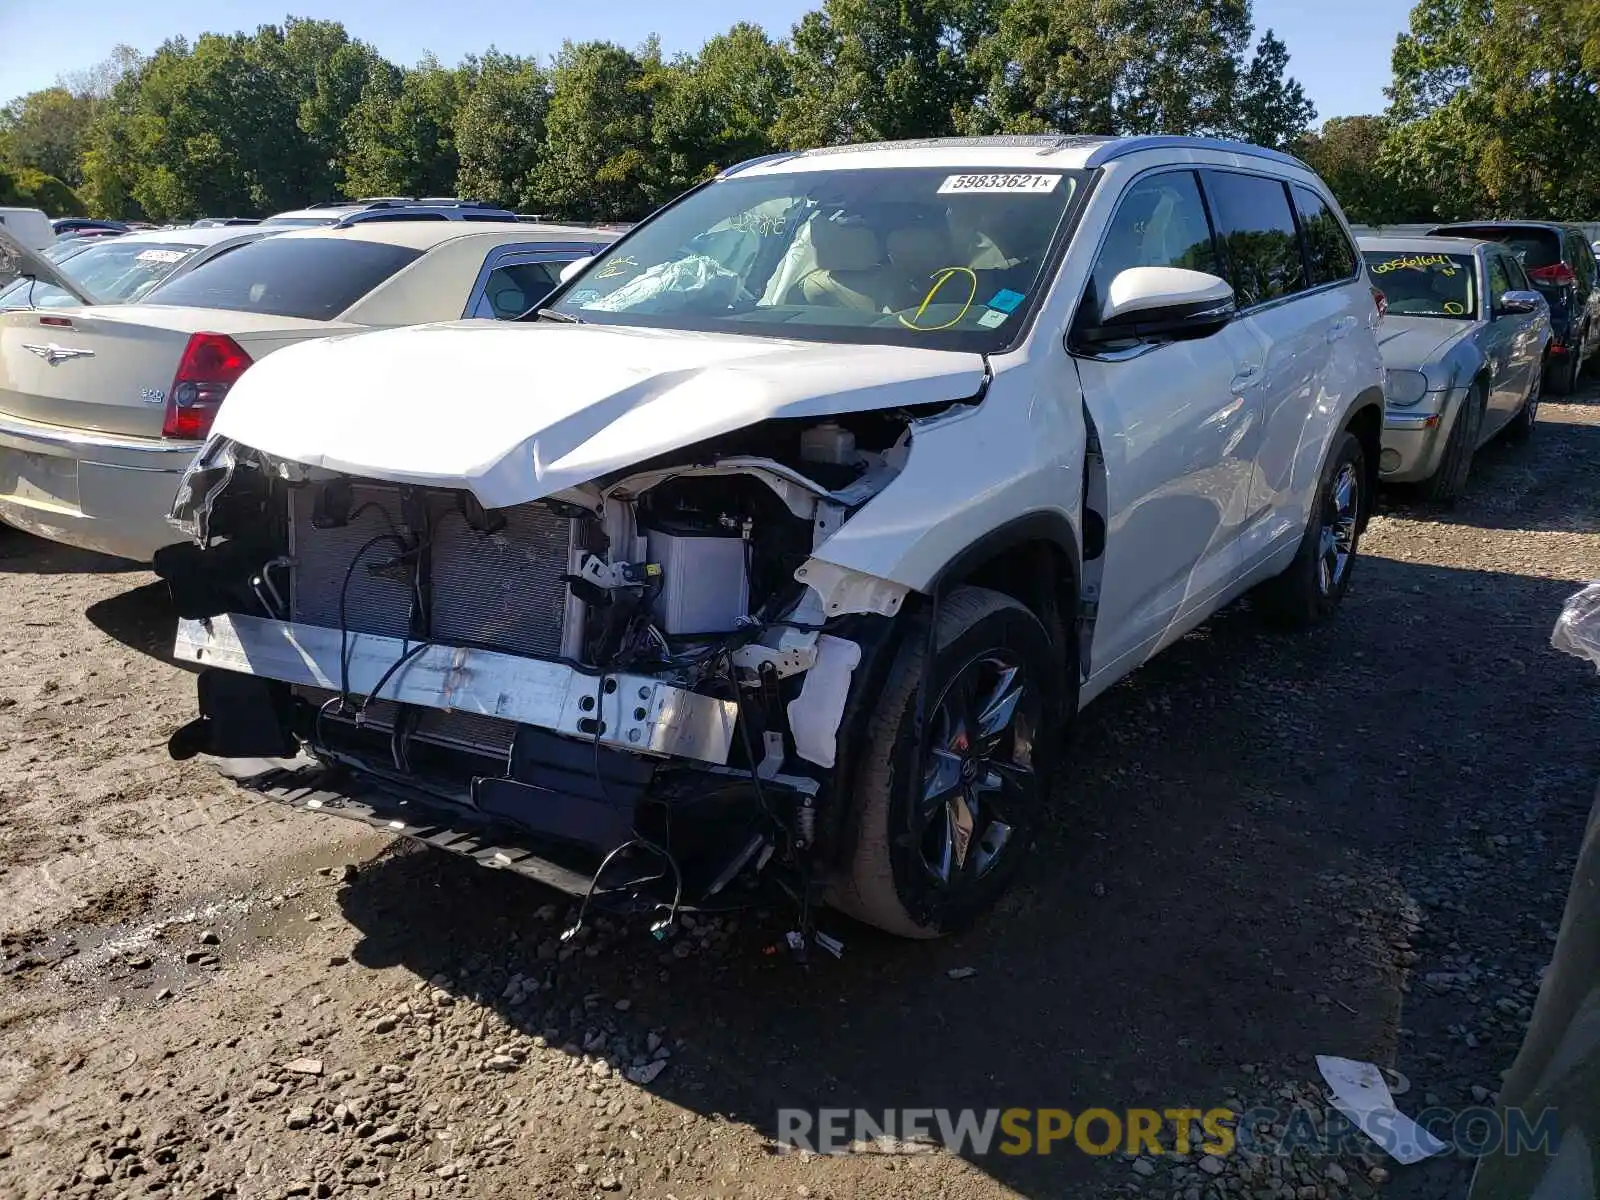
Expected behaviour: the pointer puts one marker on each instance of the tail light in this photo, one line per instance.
(1557, 274)
(1380, 301)
(211, 364)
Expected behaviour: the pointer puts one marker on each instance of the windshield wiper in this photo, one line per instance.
(550, 314)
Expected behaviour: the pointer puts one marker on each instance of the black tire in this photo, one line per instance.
(1561, 375)
(1449, 481)
(891, 881)
(1521, 427)
(1302, 595)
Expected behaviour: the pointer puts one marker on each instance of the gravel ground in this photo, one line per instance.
(1355, 842)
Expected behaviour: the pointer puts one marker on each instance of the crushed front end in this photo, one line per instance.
(637, 691)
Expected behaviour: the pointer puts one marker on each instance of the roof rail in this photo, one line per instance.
(464, 202)
(1122, 147)
(756, 162)
(422, 212)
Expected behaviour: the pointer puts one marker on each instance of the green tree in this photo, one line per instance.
(1269, 106)
(1348, 153)
(25, 187)
(401, 135)
(500, 131)
(109, 170)
(741, 79)
(600, 160)
(1135, 66)
(212, 129)
(879, 69)
(325, 71)
(717, 108)
(1493, 107)
(45, 130)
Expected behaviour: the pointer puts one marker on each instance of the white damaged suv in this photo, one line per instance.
(778, 553)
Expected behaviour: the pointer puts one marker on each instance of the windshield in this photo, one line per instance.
(288, 276)
(58, 250)
(1425, 285)
(945, 258)
(113, 271)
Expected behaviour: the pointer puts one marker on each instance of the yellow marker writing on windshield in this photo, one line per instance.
(1454, 309)
(939, 279)
(618, 266)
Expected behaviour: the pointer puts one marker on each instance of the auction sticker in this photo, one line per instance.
(999, 183)
(161, 256)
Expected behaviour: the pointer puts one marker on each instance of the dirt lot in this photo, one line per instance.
(1266, 848)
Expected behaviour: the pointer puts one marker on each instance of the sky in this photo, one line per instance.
(1340, 53)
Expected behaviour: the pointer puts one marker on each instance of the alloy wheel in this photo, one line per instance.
(979, 787)
(1337, 544)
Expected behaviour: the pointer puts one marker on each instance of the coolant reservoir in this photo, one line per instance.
(829, 442)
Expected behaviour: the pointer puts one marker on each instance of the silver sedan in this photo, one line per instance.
(1464, 340)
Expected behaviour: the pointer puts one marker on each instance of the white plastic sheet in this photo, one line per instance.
(1578, 627)
(1360, 1093)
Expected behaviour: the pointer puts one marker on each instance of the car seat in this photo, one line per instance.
(918, 253)
(850, 271)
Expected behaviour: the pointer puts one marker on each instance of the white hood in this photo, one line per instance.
(516, 412)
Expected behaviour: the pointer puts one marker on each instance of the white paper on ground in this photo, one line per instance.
(1360, 1093)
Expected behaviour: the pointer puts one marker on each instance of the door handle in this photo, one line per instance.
(1247, 376)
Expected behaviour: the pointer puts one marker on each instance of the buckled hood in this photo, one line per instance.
(515, 412)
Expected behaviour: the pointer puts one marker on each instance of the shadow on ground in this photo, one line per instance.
(141, 619)
(1223, 885)
(23, 554)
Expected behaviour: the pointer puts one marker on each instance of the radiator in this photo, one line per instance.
(501, 591)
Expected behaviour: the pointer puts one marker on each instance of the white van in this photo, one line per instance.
(29, 226)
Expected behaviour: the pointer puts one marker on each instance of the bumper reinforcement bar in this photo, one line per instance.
(630, 712)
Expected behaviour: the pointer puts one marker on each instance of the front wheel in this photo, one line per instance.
(1449, 482)
(945, 820)
(1310, 588)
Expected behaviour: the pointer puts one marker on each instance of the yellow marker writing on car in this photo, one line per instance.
(940, 278)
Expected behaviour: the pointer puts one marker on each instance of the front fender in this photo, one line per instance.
(971, 471)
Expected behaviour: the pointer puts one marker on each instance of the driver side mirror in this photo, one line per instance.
(573, 267)
(1518, 303)
(1168, 303)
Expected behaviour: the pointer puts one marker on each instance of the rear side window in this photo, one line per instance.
(1329, 254)
(1582, 259)
(316, 278)
(1159, 222)
(1499, 278)
(514, 291)
(1514, 272)
(1260, 241)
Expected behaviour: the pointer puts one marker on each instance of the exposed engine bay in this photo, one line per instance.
(633, 690)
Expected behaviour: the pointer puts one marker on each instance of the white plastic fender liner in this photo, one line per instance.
(842, 590)
(814, 714)
(639, 713)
